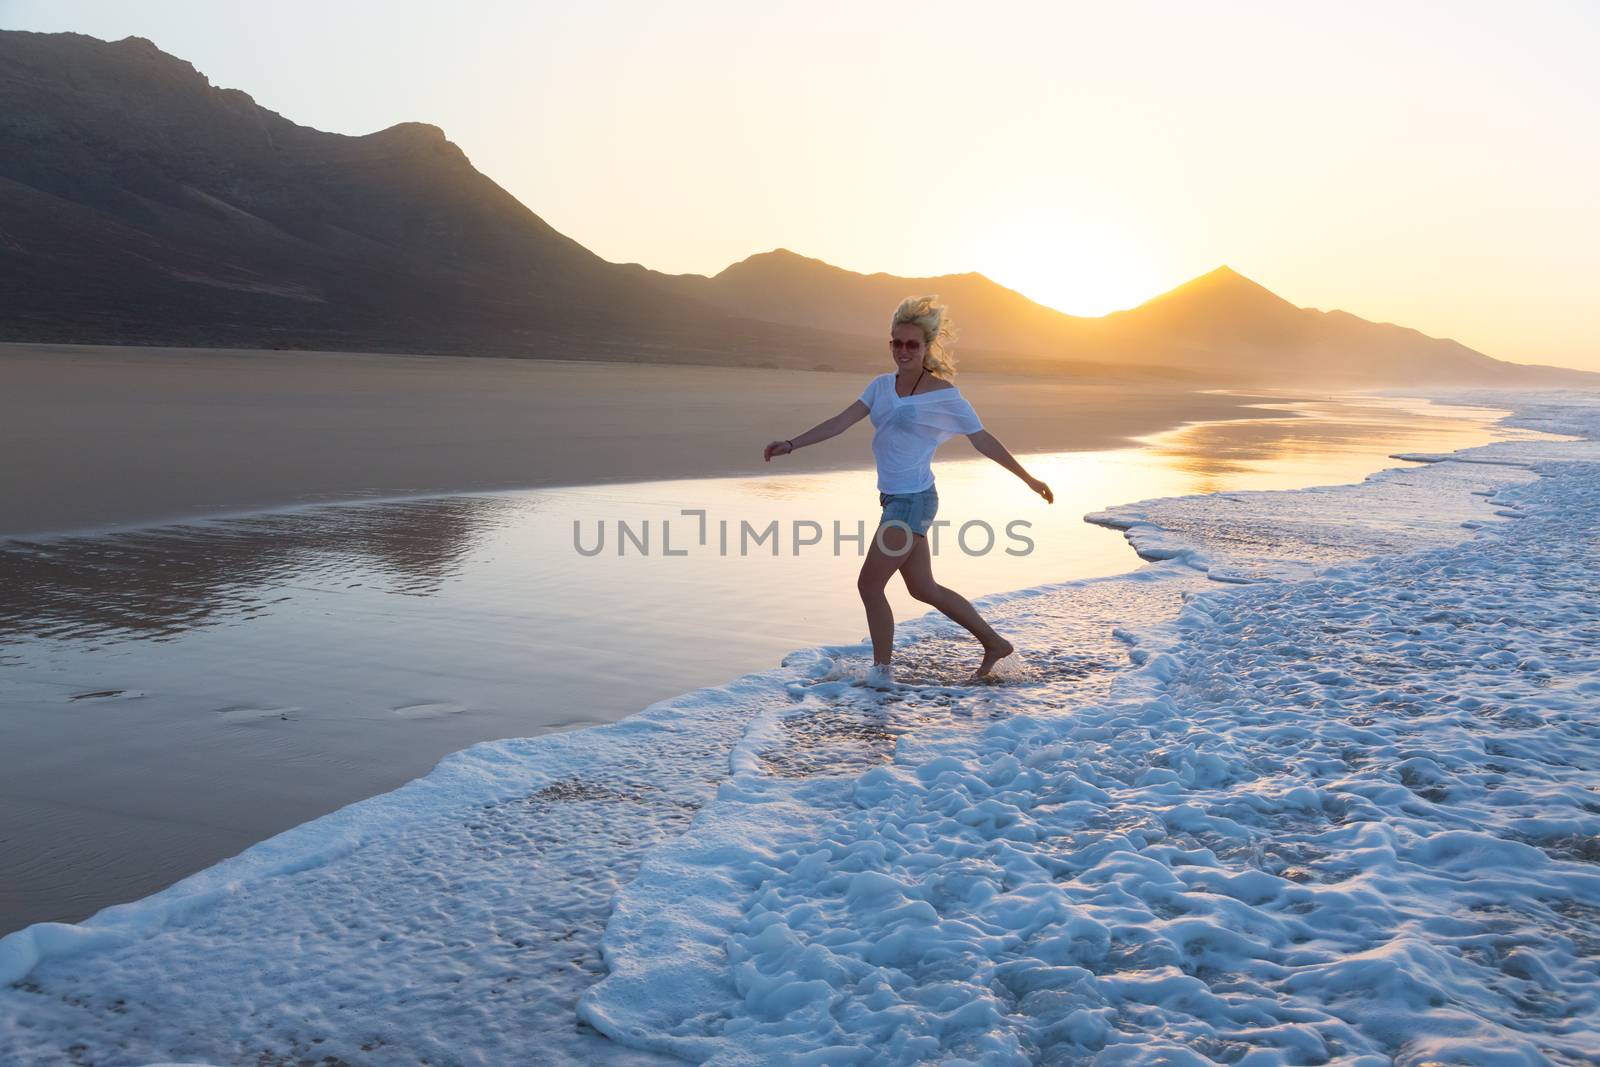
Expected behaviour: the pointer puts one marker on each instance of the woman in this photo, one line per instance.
(914, 408)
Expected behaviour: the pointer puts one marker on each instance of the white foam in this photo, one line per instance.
(1324, 795)
(1344, 813)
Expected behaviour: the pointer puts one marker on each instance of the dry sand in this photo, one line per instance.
(107, 437)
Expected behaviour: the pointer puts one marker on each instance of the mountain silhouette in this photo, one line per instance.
(141, 205)
(1220, 327)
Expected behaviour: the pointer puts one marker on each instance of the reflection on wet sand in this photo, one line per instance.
(169, 696)
(1309, 432)
(162, 582)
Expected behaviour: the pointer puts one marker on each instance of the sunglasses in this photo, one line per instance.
(909, 346)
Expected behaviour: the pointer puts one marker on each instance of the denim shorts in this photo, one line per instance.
(916, 510)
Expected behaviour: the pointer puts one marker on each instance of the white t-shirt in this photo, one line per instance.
(907, 429)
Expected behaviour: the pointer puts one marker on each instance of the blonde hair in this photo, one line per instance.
(938, 333)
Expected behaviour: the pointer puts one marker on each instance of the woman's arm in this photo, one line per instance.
(820, 432)
(986, 443)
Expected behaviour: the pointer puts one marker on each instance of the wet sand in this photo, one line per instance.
(173, 695)
(120, 437)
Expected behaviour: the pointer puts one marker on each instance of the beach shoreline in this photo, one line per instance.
(418, 627)
(614, 938)
(122, 438)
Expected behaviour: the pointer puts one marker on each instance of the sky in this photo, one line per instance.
(1433, 164)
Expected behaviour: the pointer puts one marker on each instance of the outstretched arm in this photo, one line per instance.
(820, 432)
(986, 443)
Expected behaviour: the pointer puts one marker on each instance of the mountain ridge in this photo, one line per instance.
(140, 204)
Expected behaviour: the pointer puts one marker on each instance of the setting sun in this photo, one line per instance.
(1410, 163)
(1072, 269)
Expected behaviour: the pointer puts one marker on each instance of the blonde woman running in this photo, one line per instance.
(914, 409)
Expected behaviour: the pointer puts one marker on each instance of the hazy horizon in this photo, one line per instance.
(1411, 166)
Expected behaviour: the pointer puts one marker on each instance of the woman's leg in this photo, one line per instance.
(918, 575)
(881, 562)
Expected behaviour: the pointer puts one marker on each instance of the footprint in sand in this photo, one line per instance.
(250, 713)
(427, 711)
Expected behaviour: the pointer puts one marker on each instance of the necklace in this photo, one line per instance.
(914, 384)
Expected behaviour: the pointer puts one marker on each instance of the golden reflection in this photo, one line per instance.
(161, 582)
(1320, 437)
(791, 488)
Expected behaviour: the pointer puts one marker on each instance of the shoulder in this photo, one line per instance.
(940, 385)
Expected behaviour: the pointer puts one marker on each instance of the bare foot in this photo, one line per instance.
(992, 654)
(880, 676)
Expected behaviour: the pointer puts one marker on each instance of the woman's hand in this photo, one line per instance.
(1043, 490)
(777, 448)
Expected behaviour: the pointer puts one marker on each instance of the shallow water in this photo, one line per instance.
(1346, 817)
(173, 695)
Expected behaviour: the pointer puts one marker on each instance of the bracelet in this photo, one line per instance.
(790, 444)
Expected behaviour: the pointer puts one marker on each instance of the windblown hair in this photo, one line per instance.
(938, 333)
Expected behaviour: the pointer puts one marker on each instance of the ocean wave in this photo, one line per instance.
(1337, 808)
(1343, 810)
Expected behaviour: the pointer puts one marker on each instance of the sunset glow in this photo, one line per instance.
(1411, 163)
(1071, 267)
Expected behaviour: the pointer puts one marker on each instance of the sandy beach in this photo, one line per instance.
(176, 694)
(1318, 724)
(118, 437)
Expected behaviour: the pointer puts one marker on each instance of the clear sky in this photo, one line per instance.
(1434, 164)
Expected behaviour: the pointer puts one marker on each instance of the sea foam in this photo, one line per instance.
(1318, 784)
